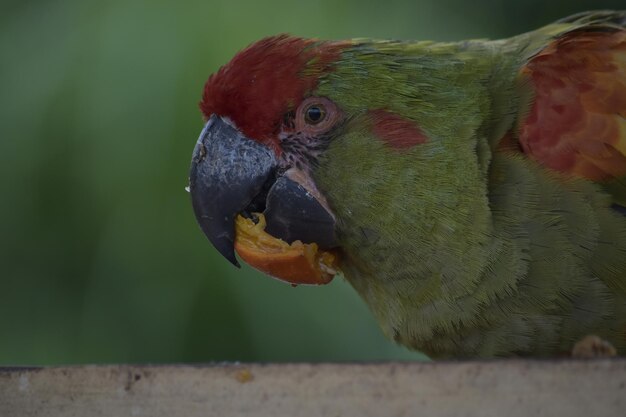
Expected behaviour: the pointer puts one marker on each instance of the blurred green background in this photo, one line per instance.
(101, 259)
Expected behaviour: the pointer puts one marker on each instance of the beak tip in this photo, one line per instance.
(233, 261)
(225, 247)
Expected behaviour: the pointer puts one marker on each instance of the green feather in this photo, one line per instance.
(458, 247)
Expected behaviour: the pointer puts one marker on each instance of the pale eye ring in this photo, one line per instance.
(315, 114)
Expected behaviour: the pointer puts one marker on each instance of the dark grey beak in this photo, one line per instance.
(292, 214)
(228, 170)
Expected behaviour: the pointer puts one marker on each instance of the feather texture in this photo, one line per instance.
(478, 242)
(473, 183)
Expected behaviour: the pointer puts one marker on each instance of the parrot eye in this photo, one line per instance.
(314, 114)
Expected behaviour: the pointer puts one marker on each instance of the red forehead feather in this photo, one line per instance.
(266, 80)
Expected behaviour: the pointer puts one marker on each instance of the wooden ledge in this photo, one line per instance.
(491, 388)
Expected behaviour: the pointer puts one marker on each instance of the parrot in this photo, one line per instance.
(474, 192)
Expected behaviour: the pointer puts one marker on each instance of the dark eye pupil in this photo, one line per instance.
(314, 114)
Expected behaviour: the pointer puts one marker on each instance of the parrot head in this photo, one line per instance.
(263, 134)
(332, 142)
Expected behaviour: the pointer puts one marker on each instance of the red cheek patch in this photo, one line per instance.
(396, 131)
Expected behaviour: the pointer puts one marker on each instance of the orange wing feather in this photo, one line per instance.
(577, 122)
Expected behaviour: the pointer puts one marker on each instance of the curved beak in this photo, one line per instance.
(227, 171)
(231, 173)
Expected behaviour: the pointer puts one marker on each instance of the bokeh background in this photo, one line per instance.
(100, 256)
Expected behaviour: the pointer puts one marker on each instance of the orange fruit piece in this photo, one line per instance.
(296, 263)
